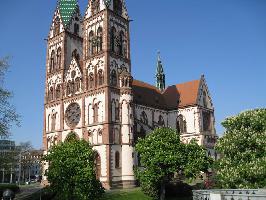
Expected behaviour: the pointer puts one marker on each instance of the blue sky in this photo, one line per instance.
(223, 39)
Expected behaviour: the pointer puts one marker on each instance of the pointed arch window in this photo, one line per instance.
(76, 29)
(118, 7)
(77, 85)
(52, 61)
(181, 124)
(95, 6)
(117, 160)
(58, 57)
(113, 33)
(75, 54)
(100, 39)
(91, 80)
(95, 113)
(206, 120)
(53, 122)
(120, 44)
(68, 92)
(144, 118)
(58, 92)
(91, 45)
(56, 26)
(161, 121)
(51, 94)
(113, 78)
(100, 78)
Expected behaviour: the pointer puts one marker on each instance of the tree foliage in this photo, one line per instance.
(243, 150)
(162, 155)
(8, 115)
(71, 171)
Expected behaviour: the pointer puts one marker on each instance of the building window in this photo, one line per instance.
(95, 6)
(113, 78)
(100, 78)
(100, 39)
(52, 61)
(120, 43)
(206, 121)
(75, 54)
(181, 124)
(117, 160)
(58, 92)
(53, 122)
(76, 29)
(91, 45)
(58, 58)
(91, 80)
(144, 118)
(51, 94)
(118, 7)
(56, 26)
(77, 85)
(95, 113)
(161, 121)
(113, 33)
(117, 111)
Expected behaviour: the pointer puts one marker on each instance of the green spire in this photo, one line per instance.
(160, 76)
(67, 8)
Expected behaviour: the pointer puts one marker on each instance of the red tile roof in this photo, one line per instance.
(176, 96)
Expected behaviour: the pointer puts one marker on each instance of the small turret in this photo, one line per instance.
(160, 76)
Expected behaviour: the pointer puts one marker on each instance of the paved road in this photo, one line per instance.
(25, 191)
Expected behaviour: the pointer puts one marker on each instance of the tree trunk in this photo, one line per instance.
(162, 191)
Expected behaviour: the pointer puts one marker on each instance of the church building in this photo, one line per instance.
(90, 91)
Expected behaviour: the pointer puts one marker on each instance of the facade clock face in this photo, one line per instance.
(72, 115)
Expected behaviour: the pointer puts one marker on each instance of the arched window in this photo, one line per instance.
(120, 44)
(144, 118)
(76, 29)
(52, 61)
(113, 33)
(100, 39)
(77, 85)
(53, 121)
(116, 136)
(118, 7)
(95, 113)
(117, 111)
(95, 6)
(161, 121)
(181, 124)
(91, 45)
(56, 26)
(51, 94)
(98, 165)
(113, 78)
(100, 78)
(117, 160)
(68, 92)
(75, 54)
(58, 92)
(206, 117)
(58, 58)
(91, 80)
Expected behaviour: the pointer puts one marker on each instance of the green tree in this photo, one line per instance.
(8, 115)
(163, 155)
(243, 150)
(71, 171)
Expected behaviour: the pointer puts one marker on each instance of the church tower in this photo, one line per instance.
(160, 76)
(107, 71)
(89, 85)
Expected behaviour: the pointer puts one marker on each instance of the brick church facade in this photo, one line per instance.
(90, 91)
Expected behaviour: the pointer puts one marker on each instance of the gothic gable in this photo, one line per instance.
(57, 25)
(74, 71)
(204, 97)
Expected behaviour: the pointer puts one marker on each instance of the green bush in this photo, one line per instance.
(12, 187)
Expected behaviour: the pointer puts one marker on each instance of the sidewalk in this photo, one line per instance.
(27, 190)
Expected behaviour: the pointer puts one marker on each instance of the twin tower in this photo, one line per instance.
(89, 85)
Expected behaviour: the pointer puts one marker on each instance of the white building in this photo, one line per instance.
(90, 90)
